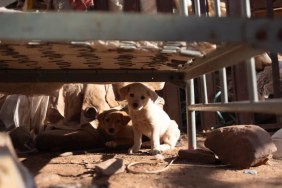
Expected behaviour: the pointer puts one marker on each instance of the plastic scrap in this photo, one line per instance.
(250, 171)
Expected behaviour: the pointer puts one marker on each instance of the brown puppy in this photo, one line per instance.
(115, 123)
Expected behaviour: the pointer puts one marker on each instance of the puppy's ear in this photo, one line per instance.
(101, 116)
(124, 91)
(152, 94)
(125, 119)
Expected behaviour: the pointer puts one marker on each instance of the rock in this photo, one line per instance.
(198, 156)
(241, 146)
(277, 139)
(111, 166)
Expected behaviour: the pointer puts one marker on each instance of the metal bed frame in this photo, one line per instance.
(243, 38)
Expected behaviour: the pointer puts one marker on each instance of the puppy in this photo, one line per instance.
(149, 119)
(115, 123)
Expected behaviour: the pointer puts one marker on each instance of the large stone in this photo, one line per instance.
(241, 146)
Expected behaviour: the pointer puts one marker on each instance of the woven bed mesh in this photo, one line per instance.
(95, 55)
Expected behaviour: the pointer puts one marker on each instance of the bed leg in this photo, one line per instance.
(191, 122)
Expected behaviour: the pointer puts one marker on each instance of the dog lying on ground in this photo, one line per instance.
(149, 119)
(115, 123)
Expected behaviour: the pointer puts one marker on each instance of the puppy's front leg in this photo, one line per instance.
(137, 141)
(155, 141)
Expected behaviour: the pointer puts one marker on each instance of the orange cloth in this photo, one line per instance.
(81, 4)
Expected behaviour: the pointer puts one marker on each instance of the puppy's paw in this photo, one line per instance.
(130, 151)
(133, 149)
(111, 144)
(164, 147)
(155, 151)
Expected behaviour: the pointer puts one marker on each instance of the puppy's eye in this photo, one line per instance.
(131, 95)
(142, 97)
(107, 119)
(118, 120)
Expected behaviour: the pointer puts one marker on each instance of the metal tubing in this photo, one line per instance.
(251, 70)
(223, 84)
(183, 7)
(115, 75)
(252, 81)
(217, 8)
(74, 27)
(190, 114)
(203, 77)
(270, 106)
(222, 57)
(164, 27)
(197, 7)
(204, 89)
(222, 72)
(246, 8)
(190, 98)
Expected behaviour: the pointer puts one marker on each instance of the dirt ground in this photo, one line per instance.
(77, 170)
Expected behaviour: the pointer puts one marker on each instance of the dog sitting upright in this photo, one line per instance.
(149, 119)
(115, 123)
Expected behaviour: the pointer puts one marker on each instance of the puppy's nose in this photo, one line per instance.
(111, 130)
(135, 105)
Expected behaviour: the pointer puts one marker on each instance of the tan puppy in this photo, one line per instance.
(149, 119)
(115, 124)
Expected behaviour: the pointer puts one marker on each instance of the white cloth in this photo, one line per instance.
(277, 139)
